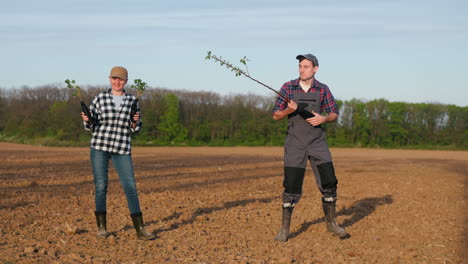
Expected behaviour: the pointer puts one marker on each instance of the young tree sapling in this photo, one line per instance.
(140, 86)
(300, 108)
(77, 91)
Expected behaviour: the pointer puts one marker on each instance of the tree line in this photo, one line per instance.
(51, 115)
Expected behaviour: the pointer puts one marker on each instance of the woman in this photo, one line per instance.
(111, 126)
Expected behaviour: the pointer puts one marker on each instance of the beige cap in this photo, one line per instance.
(119, 72)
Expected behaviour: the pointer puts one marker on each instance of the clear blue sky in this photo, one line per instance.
(410, 51)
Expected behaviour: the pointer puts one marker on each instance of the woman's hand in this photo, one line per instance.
(136, 117)
(84, 117)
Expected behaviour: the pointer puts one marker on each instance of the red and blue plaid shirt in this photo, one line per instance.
(327, 102)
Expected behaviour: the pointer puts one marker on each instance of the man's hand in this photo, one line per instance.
(319, 119)
(280, 114)
(292, 106)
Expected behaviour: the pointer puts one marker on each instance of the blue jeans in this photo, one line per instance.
(123, 166)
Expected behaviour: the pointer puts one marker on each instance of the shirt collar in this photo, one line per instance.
(110, 92)
(314, 83)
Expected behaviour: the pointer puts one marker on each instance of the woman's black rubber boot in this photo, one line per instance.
(142, 234)
(101, 224)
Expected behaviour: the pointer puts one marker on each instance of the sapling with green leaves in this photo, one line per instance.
(140, 87)
(239, 71)
(300, 108)
(71, 84)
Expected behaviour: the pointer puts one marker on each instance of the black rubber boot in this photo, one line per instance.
(101, 224)
(329, 209)
(142, 234)
(285, 223)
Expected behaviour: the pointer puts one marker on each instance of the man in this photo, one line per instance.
(111, 126)
(306, 140)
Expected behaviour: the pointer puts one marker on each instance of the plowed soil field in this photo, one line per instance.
(223, 205)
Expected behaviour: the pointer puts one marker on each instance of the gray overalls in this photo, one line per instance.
(306, 142)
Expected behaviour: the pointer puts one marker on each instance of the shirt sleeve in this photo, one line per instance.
(328, 103)
(280, 103)
(93, 109)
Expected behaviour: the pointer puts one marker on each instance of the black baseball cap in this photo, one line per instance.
(310, 57)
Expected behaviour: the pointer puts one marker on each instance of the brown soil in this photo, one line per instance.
(222, 205)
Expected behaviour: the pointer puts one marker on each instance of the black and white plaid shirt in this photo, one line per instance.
(112, 128)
